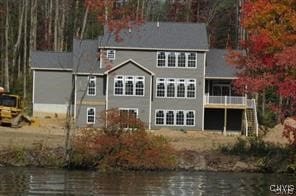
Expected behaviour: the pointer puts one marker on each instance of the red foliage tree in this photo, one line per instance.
(270, 58)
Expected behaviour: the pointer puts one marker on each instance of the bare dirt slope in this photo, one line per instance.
(51, 132)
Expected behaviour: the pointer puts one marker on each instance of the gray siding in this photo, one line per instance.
(139, 102)
(83, 101)
(52, 87)
(148, 60)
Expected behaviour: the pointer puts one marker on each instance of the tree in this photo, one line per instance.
(269, 61)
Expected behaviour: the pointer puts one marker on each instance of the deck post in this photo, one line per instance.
(246, 123)
(225, 121)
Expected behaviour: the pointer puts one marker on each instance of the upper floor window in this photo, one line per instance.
(91, 88)
(161, 59)
(182, 60)
(129, 85)
(171, 59)
(91, 115)
(177, 59)
(111, 54)
(175, 88)
(192, 59)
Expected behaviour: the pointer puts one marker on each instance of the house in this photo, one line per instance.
(164, 73)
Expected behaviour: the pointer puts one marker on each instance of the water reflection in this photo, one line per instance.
(24, 181)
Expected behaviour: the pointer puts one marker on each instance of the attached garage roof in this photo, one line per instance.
(52, 60)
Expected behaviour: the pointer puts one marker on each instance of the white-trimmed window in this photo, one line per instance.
(191, 89)
(171, 88)
(161, 59)
(180, 118)
(175, 88)
(127, 115)
(159, 118)
(190, 118)
(192, 59)
(111, 54)
(90, 115)
(129, 85)
(176, 59)
(140, 85)
(171, 59)
(118, 85)
(91, 88)
(170, 117)
(175, 117)
(160, 86)
(182, 59)
(181, 89)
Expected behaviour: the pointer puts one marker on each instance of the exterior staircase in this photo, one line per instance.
(250, 122)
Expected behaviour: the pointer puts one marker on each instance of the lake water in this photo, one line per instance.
(32, 181)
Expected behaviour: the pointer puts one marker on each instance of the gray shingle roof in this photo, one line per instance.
(217, 66)
(85, 56)
(51, 60)
(169, 35)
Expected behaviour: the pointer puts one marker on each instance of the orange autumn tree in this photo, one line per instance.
(269, 60)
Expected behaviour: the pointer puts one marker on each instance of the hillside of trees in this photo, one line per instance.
(28, 25)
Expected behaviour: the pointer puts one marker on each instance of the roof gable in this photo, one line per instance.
(125, 63)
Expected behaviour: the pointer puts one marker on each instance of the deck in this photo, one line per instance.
(227, 102)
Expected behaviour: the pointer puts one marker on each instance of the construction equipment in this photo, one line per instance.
(11, 110)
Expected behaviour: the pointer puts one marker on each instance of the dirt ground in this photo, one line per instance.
(50, 131)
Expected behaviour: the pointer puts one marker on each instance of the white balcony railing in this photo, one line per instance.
(229, 100)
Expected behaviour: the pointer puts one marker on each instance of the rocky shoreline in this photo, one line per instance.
(187, 160)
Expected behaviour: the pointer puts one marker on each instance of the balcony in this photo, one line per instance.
(232, 102)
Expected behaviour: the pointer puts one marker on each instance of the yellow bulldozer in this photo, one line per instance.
(11, 111)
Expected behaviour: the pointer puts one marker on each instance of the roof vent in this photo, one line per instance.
(157, 24)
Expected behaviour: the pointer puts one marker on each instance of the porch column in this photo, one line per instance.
(225, 121)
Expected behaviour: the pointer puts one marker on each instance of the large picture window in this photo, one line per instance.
(175, 117)
(129, 85)
(91, 88)
(175, 88)
(176, 59)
